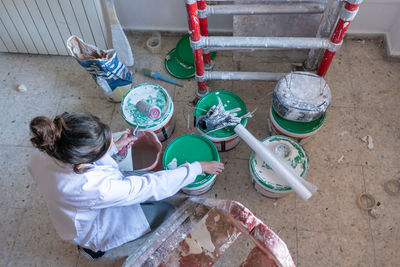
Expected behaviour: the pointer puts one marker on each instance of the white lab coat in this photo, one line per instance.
(100, 208)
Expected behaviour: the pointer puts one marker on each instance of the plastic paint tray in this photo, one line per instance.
(298, 127)
(190, 148)
(185, 52)
(230, 101)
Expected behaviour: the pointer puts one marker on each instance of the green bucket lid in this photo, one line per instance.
(291, 151)
(185, 52)
(298, 127)
(176, 68)
(190, 148)
(230, 101)
(153, 94)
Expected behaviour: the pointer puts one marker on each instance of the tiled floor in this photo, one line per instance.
(327, 230)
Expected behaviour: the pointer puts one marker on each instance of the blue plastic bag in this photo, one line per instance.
(103, 65)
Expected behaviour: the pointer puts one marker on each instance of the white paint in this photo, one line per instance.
(368, 139)
(22, 88)
(200, 240)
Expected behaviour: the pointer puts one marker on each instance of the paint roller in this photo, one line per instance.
(218, 118)
(152, 112)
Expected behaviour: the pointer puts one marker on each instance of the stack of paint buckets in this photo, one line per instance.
(179, 61)
(299, 104)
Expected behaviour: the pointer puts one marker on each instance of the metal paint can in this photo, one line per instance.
(224, 139)
(155, 96)
(301, 97)
(265, 180)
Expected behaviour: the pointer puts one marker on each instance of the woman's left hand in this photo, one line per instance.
(125, 140)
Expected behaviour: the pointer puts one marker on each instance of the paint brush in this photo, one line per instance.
(156, 75)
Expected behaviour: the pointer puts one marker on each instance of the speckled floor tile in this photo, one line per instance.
(317, 249)
(38, 244)
(383, 127)
(375, 82)
(10, 220)
(20, 111)
(335, 143)
(15, 181)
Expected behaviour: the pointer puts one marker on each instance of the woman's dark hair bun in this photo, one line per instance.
(46, 132)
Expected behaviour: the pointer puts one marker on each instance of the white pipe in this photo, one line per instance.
(303, 188)
(264, 42)
(273, 8)
(243, 76)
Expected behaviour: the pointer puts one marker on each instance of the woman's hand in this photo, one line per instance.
(212, 167)
(125, 140)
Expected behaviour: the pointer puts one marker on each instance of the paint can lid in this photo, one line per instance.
(298, 127)
(190, 148)
(301, 96)
(230, 101)
(155, 96)
(185, 52)
(176, 68)
(287, 148)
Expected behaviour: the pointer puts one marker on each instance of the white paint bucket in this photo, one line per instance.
(195, 190)
(224, 139)
(154, 95)
(265, 180)
(299, 131)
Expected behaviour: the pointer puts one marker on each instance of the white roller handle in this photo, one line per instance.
(303, 188)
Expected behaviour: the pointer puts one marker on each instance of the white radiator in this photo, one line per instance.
(43, 26)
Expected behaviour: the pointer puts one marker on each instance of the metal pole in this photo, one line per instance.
(346, 16)
(202, 6)
(265, 42)
(195, 37)
(260, 9)
(243, 76)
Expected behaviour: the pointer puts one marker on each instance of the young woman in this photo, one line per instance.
(90, 202)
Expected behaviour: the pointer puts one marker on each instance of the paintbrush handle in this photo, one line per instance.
(156, 75)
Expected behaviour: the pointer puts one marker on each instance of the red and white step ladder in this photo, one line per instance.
(202, 43)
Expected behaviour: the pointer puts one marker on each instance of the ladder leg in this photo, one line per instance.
(346, 16)
(202, 6)
(194, 28)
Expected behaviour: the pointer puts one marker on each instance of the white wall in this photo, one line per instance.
(374, 17)
(163, 15)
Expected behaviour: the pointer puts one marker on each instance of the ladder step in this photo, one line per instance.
(264, 42)
(243, 76)
(271, 8)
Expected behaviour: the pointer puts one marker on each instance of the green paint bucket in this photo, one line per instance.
(224, 139)
(155, 95)
(187, 149)
(179, 62)
(299, 131)
(265, 180)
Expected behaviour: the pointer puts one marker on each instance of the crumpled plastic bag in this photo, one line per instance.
(103, 65)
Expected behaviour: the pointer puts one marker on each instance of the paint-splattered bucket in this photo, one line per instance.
(299, 131)
(224, 139)
(265, 180)
(157, 96)
(301, 96)
(190, 148)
